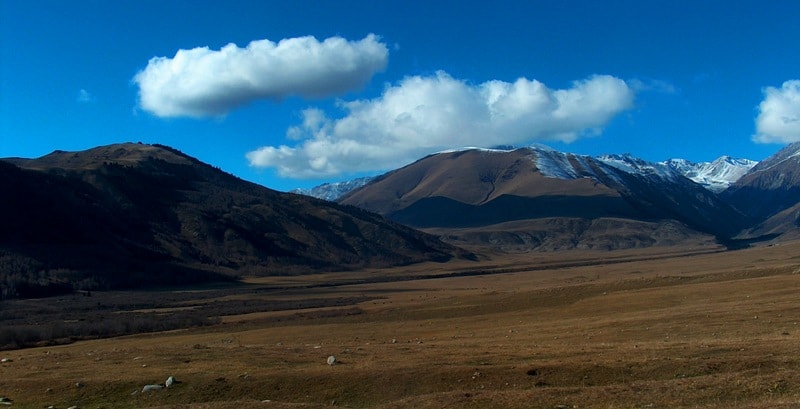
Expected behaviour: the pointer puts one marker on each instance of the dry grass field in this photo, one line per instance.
(635, 329)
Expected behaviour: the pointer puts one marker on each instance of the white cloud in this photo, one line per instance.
(422, 115)
(652, 85)
(202, 82)
(84, 96)
(778, 119)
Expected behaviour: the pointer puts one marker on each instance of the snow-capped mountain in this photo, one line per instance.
(715, 176)
(769, 187)
(562, 165)
(473, 188)
(550, 162)
(332, 191)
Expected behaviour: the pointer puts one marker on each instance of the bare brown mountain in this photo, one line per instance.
(516, 198)
(770, 194)
(131, 215)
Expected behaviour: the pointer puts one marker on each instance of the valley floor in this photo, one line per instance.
(620, 330)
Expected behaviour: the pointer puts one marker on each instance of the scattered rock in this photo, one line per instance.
(154, 387)
(5, 401)
(170, 381)
(4, 360)
(331, 360)
(72, 407)
(78, 385)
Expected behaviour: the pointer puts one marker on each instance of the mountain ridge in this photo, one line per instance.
(775, 182)
(478, 187)
(716, 175)
(106, 216)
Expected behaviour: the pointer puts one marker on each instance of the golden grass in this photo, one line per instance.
(660, 331)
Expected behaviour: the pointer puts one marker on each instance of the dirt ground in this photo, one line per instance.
(635, 329)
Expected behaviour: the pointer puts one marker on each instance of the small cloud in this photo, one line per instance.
(425, 114)
(84, 97)
(778, 118)
(201, 82)
(652, 85)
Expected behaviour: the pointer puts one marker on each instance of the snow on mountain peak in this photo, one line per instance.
(631, 164)
(715, 176)
(499, 148)
(561, 165)
(332, 191)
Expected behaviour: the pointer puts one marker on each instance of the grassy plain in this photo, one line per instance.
(633, 329)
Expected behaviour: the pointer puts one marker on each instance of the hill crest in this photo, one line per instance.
(136, 215)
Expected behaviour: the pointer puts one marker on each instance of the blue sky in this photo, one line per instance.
(316, 91)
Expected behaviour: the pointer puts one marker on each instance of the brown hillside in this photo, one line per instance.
(472, 177)
(469, 197)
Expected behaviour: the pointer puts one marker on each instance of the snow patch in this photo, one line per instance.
(715, 176)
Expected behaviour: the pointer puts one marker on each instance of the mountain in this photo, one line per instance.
(131, 215)
(333, 191)
(770, 193)
(715, 176)
(479, 188)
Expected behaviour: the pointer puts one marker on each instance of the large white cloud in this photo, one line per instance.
(422, 115)
(778, 119)
(203, 82)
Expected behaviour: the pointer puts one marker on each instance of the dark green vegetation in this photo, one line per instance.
(132, 216)
(102, 314)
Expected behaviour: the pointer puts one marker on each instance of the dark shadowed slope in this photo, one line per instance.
(131, 215)
(770, 187)
(770, 193)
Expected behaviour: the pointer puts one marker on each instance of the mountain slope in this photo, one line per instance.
(333, 191)
(770, 193)
(129, 215)
(479, 187)
(715, 176)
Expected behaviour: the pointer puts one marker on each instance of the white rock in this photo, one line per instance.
(148, 388)
(170, 381)
(331, 360)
